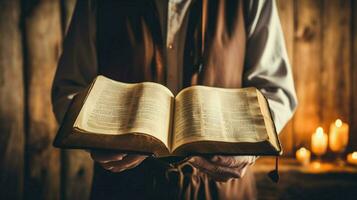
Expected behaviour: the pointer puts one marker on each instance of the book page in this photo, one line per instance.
(216, 114)
(117, 108)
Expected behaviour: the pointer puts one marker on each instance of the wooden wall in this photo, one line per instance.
(319, 35)
(321, 38)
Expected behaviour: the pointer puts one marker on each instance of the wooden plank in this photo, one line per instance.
(78, 167)
(307, 69)
(43, 43)
(78, 173)
(286, 14)
(11, 102)
(336, 62)
(353, 123)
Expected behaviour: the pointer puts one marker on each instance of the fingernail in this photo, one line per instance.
(192, 159)
(119, 170)
(214, 158)
(103, 162)
(108, 168)
(238, 175)
(120, 157)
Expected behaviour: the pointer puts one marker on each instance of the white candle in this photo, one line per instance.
(352, 158)
(319, 142)
(338, 137)
(303, 155)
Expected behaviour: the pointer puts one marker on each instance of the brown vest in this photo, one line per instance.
(130, 44)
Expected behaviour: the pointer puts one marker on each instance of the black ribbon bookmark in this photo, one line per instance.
(274, 174)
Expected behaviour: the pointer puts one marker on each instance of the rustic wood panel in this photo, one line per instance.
(11, 102)
(353, 131)
(77, 165)
(336, 61)
(43, 42)
(286, 14)
(78, 172)
(307, 69)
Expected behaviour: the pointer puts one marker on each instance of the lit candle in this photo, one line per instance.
(303, 156)
(338, 138)
(319, 142)
(352, 158)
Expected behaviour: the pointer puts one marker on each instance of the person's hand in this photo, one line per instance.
(116, 162)
(223, 168)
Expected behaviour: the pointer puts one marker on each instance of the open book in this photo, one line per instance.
(147, 118)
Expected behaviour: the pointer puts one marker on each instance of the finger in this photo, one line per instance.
(128, 162)
(218, 178)
(214, 170)
(243, 171)
(131, 166)
(233, 161)
(103, 157)
(226, 161)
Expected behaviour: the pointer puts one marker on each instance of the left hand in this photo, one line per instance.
(116, 162)
(223, 168)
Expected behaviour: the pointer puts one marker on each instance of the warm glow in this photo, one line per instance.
(338, 123)
(316, 165)
(338, 139)
(320, 132)
(303, 150)
(352, 158)
(319, 142)
(354, 155)
(303, 156)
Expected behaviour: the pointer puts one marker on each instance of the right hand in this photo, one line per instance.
(116, 162)
(223, 168)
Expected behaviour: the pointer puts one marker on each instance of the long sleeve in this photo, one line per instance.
(267, 65)
(77, 66)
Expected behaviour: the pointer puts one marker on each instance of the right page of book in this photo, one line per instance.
(215, 114)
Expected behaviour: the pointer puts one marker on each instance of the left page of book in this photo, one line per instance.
(116, 108)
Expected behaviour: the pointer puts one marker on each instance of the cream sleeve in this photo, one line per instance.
(267, 65)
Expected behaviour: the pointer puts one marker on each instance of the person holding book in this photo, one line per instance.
(177, 43)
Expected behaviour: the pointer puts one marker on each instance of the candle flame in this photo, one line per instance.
(320, 132)
(338, 123)
(303, 149)
(354, 155)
